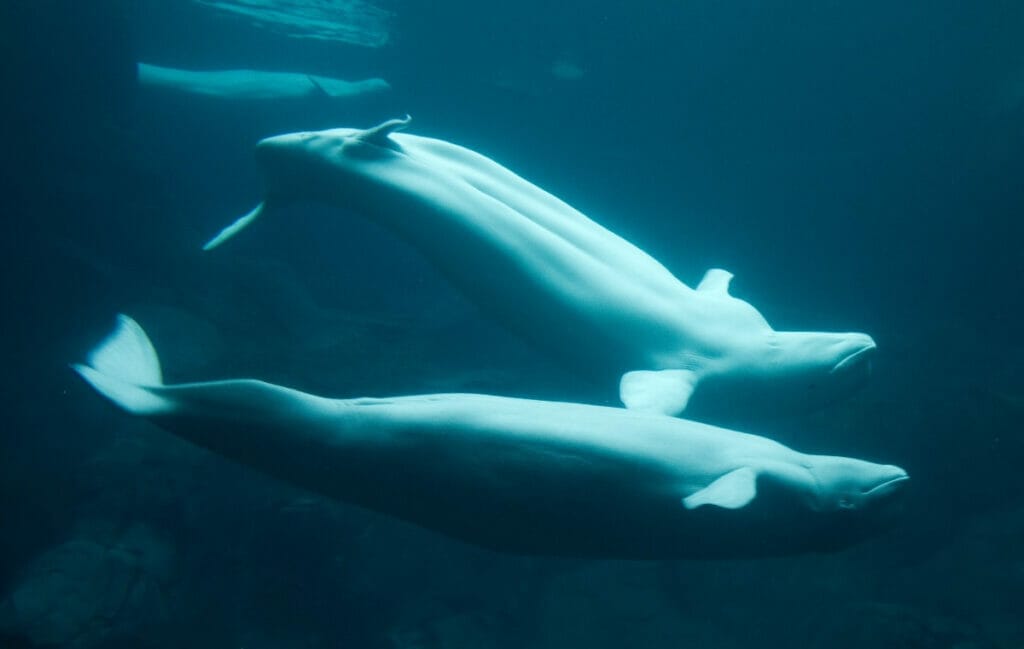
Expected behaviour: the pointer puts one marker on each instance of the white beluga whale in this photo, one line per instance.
(247, 84)
(518, 475)
(561, 280)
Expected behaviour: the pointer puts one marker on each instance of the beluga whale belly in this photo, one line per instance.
(518, 475)
(561, 280)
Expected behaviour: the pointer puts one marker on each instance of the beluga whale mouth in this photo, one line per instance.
(860, 357)
(889, 487)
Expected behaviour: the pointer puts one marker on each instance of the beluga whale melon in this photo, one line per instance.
(518, 475)
(561, 280)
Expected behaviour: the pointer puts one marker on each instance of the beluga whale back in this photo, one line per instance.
(519, 475)
(561, 280)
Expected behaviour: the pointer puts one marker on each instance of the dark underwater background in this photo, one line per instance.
(857, 165)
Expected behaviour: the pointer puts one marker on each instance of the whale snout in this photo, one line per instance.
(292, 164)
(283, 142)
(886, 499)
(856, 355)
(894, 486)
(274, 153)
(293, 150)
(305, 141)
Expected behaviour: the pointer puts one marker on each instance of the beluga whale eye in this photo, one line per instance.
(845, 484)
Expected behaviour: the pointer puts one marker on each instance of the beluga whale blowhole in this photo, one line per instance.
(519, 475)
(561, 280)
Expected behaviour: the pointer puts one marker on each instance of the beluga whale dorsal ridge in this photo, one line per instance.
(519, 475)
(561, 280)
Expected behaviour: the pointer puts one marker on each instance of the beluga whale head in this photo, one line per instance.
(751, 370)
(815, 367)
(305, 166)
(785, 373)
(850, 484)
(854, 499)
(320, 165)
(826, 502)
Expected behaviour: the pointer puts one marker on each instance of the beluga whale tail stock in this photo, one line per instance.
(561, 280)
(519, 475)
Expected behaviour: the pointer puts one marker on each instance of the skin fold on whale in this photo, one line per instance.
(517, 475)
(562, 281)
(253, 84)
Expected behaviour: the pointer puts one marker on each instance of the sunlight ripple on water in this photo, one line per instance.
(349, 21)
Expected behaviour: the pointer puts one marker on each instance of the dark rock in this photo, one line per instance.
(92, 588)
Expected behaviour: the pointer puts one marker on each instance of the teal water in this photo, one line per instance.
(856, 166)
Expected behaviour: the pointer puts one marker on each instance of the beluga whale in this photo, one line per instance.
(518, 475)
(561, 280)
(253, 85)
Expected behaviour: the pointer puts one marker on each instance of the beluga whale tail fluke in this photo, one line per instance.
(519, 475)
(123, 366)
(561, 280)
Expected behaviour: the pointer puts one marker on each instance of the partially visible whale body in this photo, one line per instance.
(562, 281)
(517, 475)
(253, 84)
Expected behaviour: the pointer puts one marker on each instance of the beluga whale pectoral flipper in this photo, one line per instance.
(519, 475)
(563, 281)
(235, 227)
